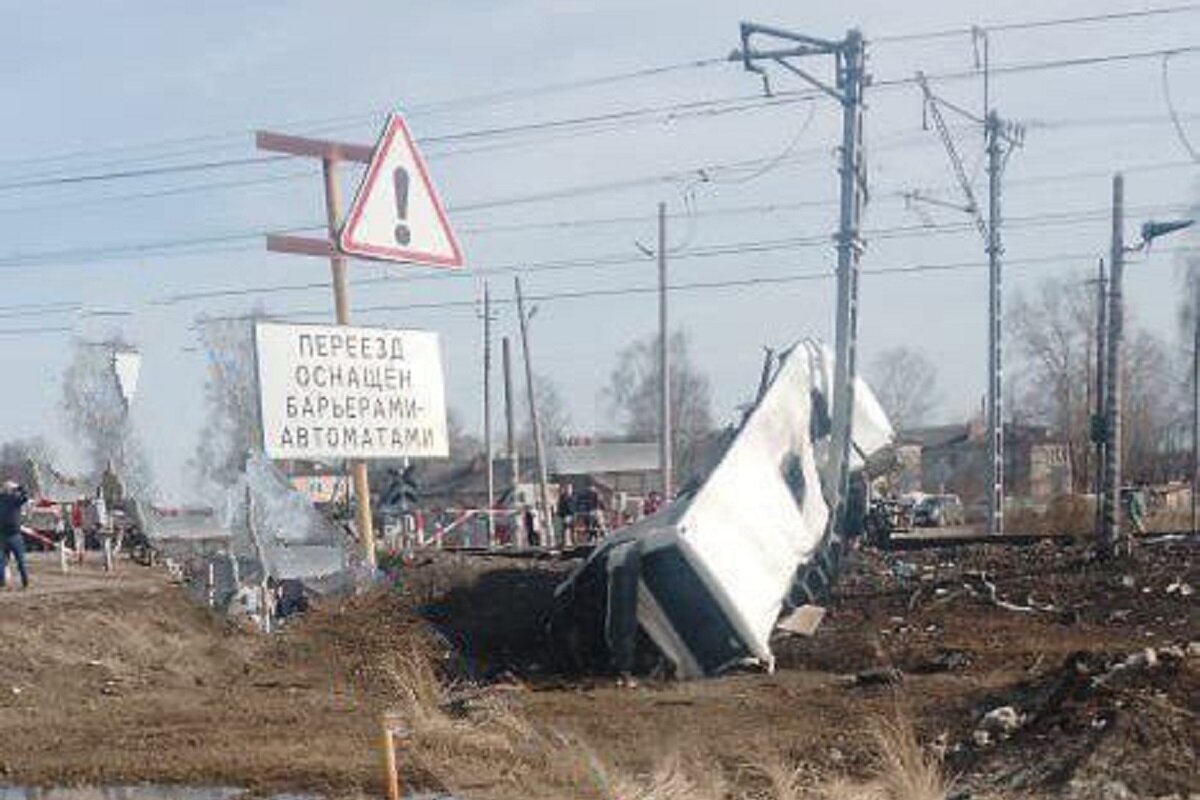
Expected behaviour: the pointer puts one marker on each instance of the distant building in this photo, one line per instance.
(321, 483)
(629, 467)
(953, 458)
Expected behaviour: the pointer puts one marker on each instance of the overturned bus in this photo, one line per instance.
(698, 588)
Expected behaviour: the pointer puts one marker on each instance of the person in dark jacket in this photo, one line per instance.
(12, 542)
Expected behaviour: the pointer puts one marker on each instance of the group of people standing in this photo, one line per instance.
(582, 512)
(581, 515)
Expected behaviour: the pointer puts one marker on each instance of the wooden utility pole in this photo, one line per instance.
(538, 448)
(341, 302)
(514, 458)
(331, 155)
(487, 412)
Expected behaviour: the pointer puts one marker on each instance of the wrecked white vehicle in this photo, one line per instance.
(700, 586)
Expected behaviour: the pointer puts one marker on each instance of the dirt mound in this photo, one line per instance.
(127, 680)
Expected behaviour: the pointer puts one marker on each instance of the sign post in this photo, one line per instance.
(396, 216)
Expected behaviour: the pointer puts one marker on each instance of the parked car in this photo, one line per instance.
(939, 510)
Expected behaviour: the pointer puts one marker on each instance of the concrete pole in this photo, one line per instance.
(1196, 407)
(665, 437)
(1111, 542)
(514, 457)
(538, 448)
(851, 65)
(1101, 391)
(487, 412)
(995, 337)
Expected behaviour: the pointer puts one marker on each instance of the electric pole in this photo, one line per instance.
(1000, 138)
(665, 438)
(1111, 539)
(1099, 420)
(487, 410)
(539, 450)
(995, 338)
(1196, 405)
(514, 460)
(847, 90)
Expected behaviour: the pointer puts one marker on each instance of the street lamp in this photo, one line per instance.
(1112, 542)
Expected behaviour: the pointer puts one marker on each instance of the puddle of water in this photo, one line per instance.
(138, 792)
(152, 791)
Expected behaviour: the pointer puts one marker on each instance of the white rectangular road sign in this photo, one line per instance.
(340, 392)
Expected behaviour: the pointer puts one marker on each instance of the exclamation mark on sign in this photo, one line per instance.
(400, 181)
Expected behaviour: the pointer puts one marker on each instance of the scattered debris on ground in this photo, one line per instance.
(123, 679)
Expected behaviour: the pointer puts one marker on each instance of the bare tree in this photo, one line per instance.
(1054, 338)
(1150, 408)
(232, 429)
(905, 381)
(553, 417)
(18, 456)
(633, 397)
(98, 415)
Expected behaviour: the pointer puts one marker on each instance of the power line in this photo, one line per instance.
(307, 174)
(1033, 24)
(501, 96)
(222, 242)
(35, 331)
(996, 70)
(732, 283)
(469, 100)
(709, 107)
(1179, 131)
(173, 169)
(624, 259)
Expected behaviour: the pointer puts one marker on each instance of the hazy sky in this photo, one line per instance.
(121, 87)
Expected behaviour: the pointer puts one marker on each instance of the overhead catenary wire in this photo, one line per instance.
(628, 259)
(995, 70)
(107, 200)
(475, 100)
(974, 265)
(227, 241)
(1179, 130)
(506, 95)
(1056, 22)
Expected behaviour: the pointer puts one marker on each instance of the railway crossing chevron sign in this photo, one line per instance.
(396, 215)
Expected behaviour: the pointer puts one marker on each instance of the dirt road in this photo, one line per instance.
(119, 679)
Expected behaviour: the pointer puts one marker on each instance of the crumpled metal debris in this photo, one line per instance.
(699, 587)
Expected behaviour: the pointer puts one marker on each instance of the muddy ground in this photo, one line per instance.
(120, 679)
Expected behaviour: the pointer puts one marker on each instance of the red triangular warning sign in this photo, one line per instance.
(396, 215)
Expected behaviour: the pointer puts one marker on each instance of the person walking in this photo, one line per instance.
(12, 542)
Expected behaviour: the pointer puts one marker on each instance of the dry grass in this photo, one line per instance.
(907, 771)
(476, 742)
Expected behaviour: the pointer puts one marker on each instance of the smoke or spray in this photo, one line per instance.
(99, 416)
(231, 429)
